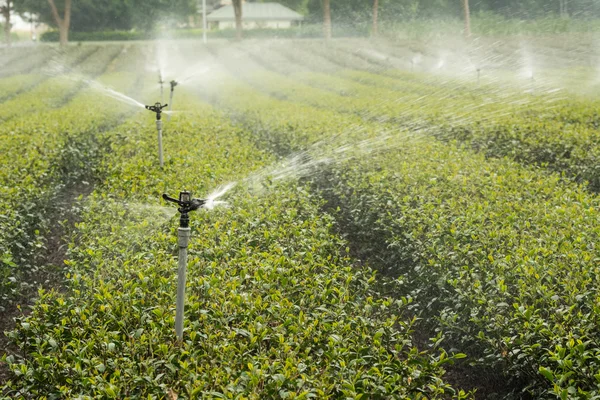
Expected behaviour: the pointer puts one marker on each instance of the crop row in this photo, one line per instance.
(558, 134)
(23, 80)
(55, 91)
(274, 307)
(42, 152)
(501, 256)
(29, 62)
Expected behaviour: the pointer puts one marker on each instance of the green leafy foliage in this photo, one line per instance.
(46, 149)
(274, 305)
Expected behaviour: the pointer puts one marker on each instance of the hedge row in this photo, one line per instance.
(558, 134)
(306, 31)
(274, 307)
(43, 150)
(502, 258)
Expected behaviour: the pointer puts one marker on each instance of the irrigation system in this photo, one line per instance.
(173, 84)
(186, 204)
(161, 83)
(157, 108)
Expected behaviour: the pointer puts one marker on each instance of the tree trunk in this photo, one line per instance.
(375, 17)
(564, 8)
(326, 19)
(467, 18)
(237, 8)
(7, 25)
(62, 23)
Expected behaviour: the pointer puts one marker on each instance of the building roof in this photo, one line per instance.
(256, 12)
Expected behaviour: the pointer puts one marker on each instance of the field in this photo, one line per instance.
(404, 219)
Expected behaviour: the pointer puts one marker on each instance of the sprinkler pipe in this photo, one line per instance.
(186, 204)
(204, 23)
(157, 108)
(173, 84)
(161, 82)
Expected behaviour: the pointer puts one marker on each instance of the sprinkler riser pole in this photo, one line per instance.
(183, 236)
(186, 204)
(170, 104)
(160, 146)
(204, 24)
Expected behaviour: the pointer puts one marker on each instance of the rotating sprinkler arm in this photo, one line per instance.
(173, 84)
(186, 204)
(157, 108)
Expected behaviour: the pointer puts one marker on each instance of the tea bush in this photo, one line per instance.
(502, 257)
(557, 134)
(274, 306)
(43, 151)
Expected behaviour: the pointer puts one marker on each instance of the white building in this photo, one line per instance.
(256, 15)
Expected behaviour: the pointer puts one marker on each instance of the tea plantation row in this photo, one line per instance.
(501, 258)
(44, 150)
(554, 132)
(275, 308)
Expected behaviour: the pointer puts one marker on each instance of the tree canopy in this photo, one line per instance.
(93, 15)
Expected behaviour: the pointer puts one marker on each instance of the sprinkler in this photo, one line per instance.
(161, 82)
(173, 84)
(532, 77)
(157, 108)
(186, 204)
(478, 75)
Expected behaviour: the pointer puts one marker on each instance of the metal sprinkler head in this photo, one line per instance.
(173, 84)
(157, 108)
(186, 204)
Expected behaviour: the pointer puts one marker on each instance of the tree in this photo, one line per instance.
(467, 18)
(63, 22)
(5, 10)
(106, 15)
(375, 17)
(564, 8)
(237, 8)
(326, 19)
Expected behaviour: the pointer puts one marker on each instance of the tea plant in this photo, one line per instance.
(274, 307)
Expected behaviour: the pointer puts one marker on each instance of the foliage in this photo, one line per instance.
(41, 157)
(274, 308)
(499, 257)
(472, 233)
(98, 15)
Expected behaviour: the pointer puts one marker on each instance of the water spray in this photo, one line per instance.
(186, 204)
(173, 84)
(157, 108)
(532, 78)
(161, 82)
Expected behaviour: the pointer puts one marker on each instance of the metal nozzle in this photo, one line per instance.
(186, 204)
(157, 108)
